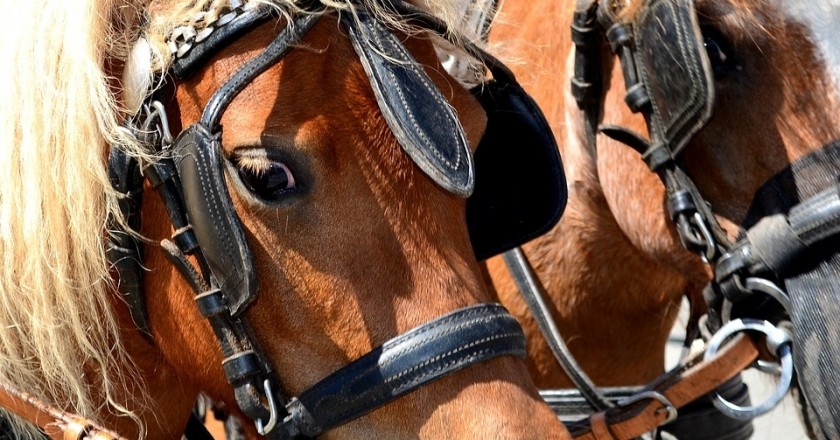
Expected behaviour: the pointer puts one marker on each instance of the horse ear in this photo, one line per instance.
(417, 113)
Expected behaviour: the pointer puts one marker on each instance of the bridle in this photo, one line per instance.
(189, 176)
(668, 80)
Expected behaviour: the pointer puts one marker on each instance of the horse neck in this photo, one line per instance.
(613, 284)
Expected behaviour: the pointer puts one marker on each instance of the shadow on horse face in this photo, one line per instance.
(364, 248)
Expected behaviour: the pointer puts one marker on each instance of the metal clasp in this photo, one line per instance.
(272, 408)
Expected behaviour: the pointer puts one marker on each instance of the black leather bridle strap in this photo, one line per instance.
(290, 35)
(531, 291)
(435, 349)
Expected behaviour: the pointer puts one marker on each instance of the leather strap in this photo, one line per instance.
(56, 423)
(531, 291)
(465, 337)
(679, 387)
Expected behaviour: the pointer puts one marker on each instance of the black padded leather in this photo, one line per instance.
(437, 348)
(419, 116)
(520, 190)
(197, 155)
(675, 70)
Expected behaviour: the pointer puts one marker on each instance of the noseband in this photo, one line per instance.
(189, 175)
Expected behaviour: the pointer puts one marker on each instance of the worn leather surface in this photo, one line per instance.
(197, 155)
(419, 116)
(520, 191)
(679, 386)
(673, 65)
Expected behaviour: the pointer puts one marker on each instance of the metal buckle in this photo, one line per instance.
(778, 341)
(653, 395)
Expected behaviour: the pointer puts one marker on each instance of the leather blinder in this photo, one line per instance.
(520, 190)
(197, 155)
(422, 120)
(673, 66)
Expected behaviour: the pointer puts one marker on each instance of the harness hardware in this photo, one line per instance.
(778, 341)
(654, 395)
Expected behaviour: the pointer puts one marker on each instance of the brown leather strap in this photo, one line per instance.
(58, 424)
(598, 424)
(680, 387)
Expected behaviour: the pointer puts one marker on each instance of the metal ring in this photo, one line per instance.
(272, 408)
(652, 395)
(770, 288)
(779, 341)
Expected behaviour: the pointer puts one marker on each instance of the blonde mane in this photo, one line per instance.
(60, 112)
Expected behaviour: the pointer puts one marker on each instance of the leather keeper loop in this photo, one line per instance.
(657, 156)
(620, 35)
(583, 35)
(637, 97)
(212, 303)
(240, 366)
(680, 202)
(185, 239)
(159, 172)
(580, 89)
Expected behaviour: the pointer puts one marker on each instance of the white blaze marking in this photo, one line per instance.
(822, 19)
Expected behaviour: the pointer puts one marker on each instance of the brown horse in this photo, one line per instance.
(352, 243)
(614, 268)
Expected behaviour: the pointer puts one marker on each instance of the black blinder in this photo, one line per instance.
(197, 155)
(520, 191)
(673, 66)
(419, 116)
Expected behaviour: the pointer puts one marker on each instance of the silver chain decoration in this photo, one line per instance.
(204, 23)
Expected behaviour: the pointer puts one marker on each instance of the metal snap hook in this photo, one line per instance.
(711, 244)
(778, 341)
(272, 408)
(160, 110)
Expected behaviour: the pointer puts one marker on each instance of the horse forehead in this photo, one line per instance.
(822, 21)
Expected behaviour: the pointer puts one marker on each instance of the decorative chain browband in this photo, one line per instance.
(204, 23)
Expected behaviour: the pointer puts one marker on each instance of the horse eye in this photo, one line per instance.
(269, 181)
(720, 52)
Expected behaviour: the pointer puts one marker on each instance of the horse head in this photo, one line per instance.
(727, 107)
(312, 164)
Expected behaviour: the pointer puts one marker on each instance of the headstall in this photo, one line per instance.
(189, 176)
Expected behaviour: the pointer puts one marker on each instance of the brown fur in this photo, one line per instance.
(613, 267)
(372, 249)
